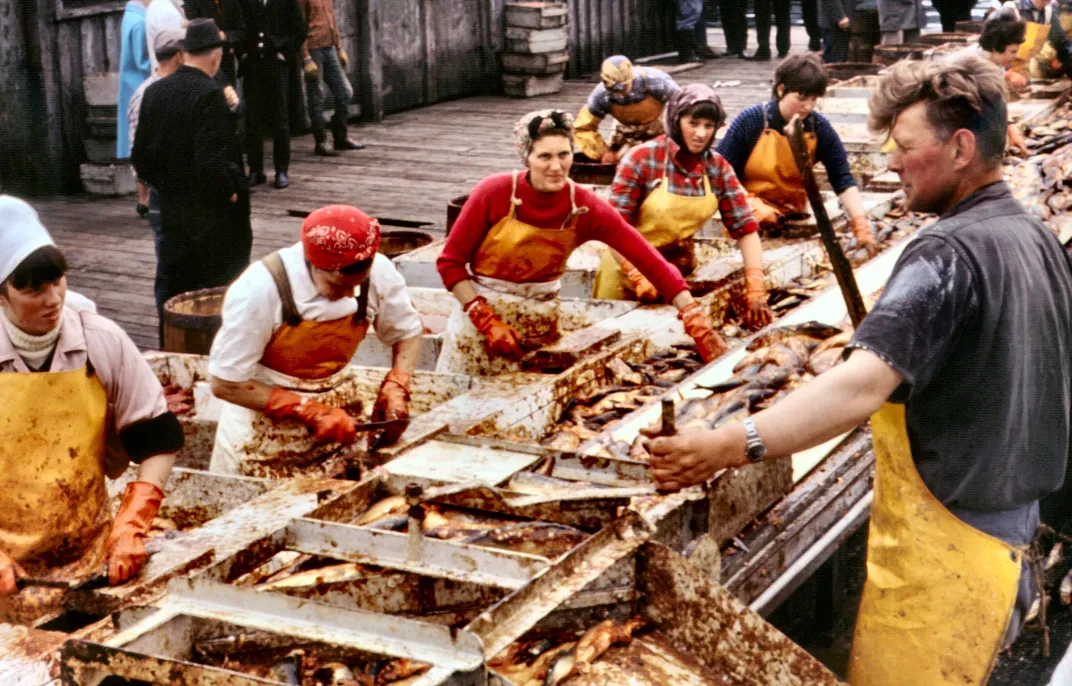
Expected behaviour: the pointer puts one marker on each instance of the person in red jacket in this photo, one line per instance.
(509, 246)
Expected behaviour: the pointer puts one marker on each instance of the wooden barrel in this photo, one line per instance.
(454, 208)
(192, 319)
(395, 243)
(892, 54)
(585, 170)
(943, 38)
(843, 71)
(970, 26)
(864, 35)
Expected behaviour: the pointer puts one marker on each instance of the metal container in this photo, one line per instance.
(943, 38)
(454, 209)
(843, 71)
(888, 55)
(584, 170)
(395, 243)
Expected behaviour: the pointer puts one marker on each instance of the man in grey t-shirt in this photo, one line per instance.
(965, 367)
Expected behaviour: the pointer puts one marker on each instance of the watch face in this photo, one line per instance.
(757, 452)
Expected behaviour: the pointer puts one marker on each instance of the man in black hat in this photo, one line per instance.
(187, 148)
(275, 32)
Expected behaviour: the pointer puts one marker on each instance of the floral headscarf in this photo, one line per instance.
(529, 128)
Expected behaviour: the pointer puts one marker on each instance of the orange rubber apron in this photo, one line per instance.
(771, 174)
(517, 268)
(311, 358)
(668, 222)
(634, 124)
(1036, 37)
(939, 593)
(54, 508)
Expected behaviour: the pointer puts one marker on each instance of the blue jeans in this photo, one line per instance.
(327, 60)
(689, 13)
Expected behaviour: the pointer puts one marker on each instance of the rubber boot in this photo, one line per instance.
(686, 47)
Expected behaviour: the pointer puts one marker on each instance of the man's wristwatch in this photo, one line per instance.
(756, 449)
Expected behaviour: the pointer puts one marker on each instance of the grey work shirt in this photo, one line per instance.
(977, 319)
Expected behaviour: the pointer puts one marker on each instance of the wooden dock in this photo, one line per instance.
(414, 163)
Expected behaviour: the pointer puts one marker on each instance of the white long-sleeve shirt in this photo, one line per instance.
(253, 310)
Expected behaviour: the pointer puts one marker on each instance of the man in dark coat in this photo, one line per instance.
(231, 19)
(186, 147)
(275, 33)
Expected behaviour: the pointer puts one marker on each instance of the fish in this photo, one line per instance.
(534, 673)
(383, 508)
(838, 341)
(399, 669)
(813, 330)
(563, 440)
(331, 574)
(825, 361)
(561, 667)
(623, 373)
(535, 484)
(600, 638)
(335, 674)
(545, 539)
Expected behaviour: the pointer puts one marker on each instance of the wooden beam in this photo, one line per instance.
(371, 79)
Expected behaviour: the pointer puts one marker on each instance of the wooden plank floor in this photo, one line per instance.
(414, 163)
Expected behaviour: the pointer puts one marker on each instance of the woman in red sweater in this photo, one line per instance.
(509, 247)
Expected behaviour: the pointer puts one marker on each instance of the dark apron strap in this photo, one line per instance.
(274, 264)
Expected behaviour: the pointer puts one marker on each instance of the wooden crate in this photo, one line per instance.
(537, 15)
(540, 64)
(528, 86)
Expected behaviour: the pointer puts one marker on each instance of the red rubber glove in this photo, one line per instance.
(10, 571)
(500, 338)
(126, 543)
(759, 313)
(645, 292)
(328, 424)
(1015, 80)
(392, 403)
(861, 228)
(708, 343)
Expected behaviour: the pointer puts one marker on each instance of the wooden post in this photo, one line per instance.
(840, 264)
(428, 38)
(370, 90)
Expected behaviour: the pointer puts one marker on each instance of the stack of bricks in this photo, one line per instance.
(534, 62)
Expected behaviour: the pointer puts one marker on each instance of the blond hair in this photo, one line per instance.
(966, 94)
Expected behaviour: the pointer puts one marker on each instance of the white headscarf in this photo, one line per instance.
(1004, 10)
(21, 233)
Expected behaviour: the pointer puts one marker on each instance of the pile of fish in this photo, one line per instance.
(269, 656)
(631, 385)
(778, 361)
(551, 661)
(1039, 181)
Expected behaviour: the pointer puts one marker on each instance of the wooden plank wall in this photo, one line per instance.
(407, 53)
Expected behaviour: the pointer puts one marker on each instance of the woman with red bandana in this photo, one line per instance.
(506, 252)
(668, 188)
(281, 360)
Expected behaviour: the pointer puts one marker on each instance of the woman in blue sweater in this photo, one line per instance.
(759, 151)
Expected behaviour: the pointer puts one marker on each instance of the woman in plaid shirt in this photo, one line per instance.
(668, 188)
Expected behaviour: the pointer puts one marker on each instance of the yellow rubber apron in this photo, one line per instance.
(771, 172)
(668, 222)
(635, 123)
(311, 358)
(1036, 37)
(54, 508)
(939, 593)
(517, 268)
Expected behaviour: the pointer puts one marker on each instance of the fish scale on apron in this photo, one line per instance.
(668, 222)
(54, 508)
(517, 269)
(311, 358)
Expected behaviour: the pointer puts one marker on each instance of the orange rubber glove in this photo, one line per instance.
(764, 213)
(1016, 139)
(10, 571)
(759, 313)
(708, 343)
(645, 292)
(392, 403)
(861, 228)
(344, 59)
(1015, 80)
(500, 338)
(328, 424)
(126, 543)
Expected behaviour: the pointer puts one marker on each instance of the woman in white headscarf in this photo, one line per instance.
(80, 404)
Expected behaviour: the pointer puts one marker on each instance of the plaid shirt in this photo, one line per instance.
(641, 169)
